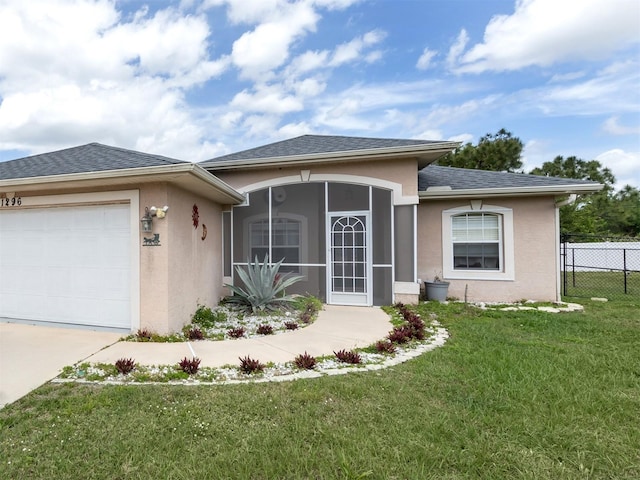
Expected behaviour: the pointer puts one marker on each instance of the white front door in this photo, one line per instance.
(349, 259)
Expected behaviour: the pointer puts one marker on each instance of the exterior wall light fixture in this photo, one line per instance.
(146, 221)
(159, 212)
(147, 218)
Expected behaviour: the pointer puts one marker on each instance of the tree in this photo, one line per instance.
(626, 217)
(605, 212)
(499, 152)
(573, 167)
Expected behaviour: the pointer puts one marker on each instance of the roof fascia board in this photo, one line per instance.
(348, 155)
(510, 191)
(167, 173)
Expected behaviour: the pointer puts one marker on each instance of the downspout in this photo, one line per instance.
(567, 201)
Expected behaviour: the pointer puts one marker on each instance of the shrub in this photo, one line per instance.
(237, 332)
(415, 321)
(264, 288)
(144, 335)
(348, 356)
(205, 318)
(291, 325)
(264, 329)
(194, 333)
(305, 317)
(385, 346)
(125, 365)
(249, 365)
(190, 366)
(400, 334)
(416, 325)
(305, 361)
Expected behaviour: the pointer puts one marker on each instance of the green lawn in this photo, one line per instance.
(610, 285)
(511, 395)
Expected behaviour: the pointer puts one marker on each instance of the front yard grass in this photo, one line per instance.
(511, 395)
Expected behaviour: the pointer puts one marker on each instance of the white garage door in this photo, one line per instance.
(66, 264)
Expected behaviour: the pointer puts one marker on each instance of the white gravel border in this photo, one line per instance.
(277, 373)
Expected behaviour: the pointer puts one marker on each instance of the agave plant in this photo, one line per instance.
(264, 288)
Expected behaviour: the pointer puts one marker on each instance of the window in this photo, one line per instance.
(476, 241)
(285, 241)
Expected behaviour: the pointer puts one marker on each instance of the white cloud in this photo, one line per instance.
(544, 32)
(248, 11)
(624, 165)
(266, 99)
(307, 62)
(462, 138)
(352, 50)
(612, 126)
(534, 154)
(266, 47)
(607, 92)
(72, 72)
(457, 48)
(424, 62)
(565, 77)
(291, 130)
(429, 135)
(452, 114)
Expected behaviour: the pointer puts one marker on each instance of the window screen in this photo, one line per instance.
(476, 241)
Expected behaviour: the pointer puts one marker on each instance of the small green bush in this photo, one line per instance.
(205, 317)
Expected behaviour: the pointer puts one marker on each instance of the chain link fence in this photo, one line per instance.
(598, 266)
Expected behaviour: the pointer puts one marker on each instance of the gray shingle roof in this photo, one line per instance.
(314, 144)
(92, 157)
(467, 179)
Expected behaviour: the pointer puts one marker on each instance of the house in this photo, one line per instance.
(362, 220)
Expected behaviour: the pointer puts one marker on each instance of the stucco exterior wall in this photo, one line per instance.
(401, 171)
(154, 263)
(195, 264)
(535, 247)
(184, 270)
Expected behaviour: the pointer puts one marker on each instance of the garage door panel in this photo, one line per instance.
(67, 264)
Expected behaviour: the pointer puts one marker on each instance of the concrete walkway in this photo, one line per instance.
(337, 327)
(31, 355)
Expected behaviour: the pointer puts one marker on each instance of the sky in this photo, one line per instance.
(196, 79)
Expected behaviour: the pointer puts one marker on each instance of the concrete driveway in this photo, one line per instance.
(32, 355)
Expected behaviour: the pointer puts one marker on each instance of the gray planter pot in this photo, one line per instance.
(436, 290)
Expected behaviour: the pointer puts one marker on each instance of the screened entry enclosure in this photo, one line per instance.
(337, 236)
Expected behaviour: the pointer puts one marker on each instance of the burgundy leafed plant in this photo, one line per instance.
(125, 365)
(195, 334)
(236, 332)
(291, 325)
(305, 361)
(250, 365)
(385, 346)
(400, 334)
(265, 329)
(190, 366)
(144, 335)
(348, 356)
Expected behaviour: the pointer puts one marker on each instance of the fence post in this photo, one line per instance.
(624, 268)
(573, 267)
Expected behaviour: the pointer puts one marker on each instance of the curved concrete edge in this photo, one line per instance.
(336, 328)
(438, 339)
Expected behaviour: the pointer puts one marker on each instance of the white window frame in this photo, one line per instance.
(506, 246)
(302, 246)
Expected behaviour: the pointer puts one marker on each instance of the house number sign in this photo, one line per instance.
(11, 202)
